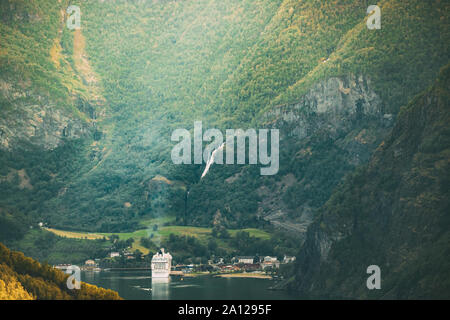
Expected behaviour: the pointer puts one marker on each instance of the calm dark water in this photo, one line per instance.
(139, 285)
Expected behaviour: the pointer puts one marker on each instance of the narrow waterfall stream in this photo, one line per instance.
(212, 159)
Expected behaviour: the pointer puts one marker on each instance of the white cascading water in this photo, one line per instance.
(211, 160)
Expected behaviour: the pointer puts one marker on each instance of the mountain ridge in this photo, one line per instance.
(86, 116)
(391, 213)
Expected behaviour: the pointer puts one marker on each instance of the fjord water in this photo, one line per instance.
(138, 285)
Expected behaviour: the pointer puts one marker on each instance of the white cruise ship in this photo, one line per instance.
(161, 264)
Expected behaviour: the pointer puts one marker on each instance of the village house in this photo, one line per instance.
(62, 267)
(127, 253)
(244, 259)
(229, 268)
(249, 267)
(288, 259)
(270, 262)
(90, 263)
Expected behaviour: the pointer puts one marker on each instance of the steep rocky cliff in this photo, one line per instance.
(393, 213)
(36, 120)
(165, 64)
(338, 100)
(328, 132)
(343, 113)
(44, 95)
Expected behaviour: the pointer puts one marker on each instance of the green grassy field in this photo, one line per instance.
(75, 235)
(162, 233)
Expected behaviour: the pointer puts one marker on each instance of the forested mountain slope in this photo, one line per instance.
(44, 97)
(393, 212)
(136, 70)
(22, 278)
(373, 71)
(86, 118)
(47, 108)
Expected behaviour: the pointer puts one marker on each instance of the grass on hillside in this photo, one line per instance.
(75, 235)
(162, 233)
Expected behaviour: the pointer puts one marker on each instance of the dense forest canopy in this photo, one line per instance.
(22, 278)
(153, 66)
(86, 117)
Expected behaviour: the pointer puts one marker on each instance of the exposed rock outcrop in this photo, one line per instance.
(28, 118)
(333, 103)
(344, 116)
(393, 213)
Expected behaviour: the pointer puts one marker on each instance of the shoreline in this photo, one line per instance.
(248, 275)
(244, 275)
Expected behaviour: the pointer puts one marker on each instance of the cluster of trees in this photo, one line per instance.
(28, 30)
(10, 287)
(12, 227)
(24, 278)
(278, 245)
(226, 67)
(187, 249)
(169, 74)
(184, 248)
(46, 246)
(395, 204)
(120, 244)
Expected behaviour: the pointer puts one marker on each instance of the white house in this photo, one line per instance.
(270, 262)
(114, 254)
(245, 259)
(288, 259)
(90, 263)
(270, 259)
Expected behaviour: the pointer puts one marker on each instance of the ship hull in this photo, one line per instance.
(160, 274)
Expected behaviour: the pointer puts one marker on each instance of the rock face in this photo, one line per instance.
(327, 133)
(393, 213)
(332, 103)
(337, 124)
(32, 119)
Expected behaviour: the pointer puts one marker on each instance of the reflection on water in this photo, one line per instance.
(140, 286)
(88, 277)
(160, 288)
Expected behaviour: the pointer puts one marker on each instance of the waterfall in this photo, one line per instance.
(211, 160)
